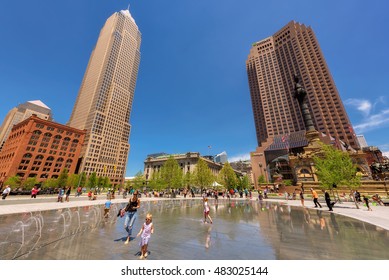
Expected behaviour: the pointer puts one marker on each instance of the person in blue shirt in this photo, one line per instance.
(61, 193)
(107, 207)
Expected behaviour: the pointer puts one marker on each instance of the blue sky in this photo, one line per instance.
(192, 89)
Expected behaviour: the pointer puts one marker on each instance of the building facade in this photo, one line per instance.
(104, 102)
(244, 167)
(271, 66)
(221, 158)
(40, 148)
(20, 113)
(187, 162)
(362, 141)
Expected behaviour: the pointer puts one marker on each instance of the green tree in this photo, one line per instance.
(138, 182)
(73, 180)
(188, 179)
(29, 183)
(261, 179)
(106, 182)
(63, 178)
(155, 181)
(92, 181)
(171, 174)
(13, 181)
(243, 183)
(128, 184)
(50, 183)
(202, 175)
(82, 179)
(99, 183)
(335, 167)
(227, 176)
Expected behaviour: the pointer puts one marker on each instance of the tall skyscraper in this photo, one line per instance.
(271, 64)
(20, 113)
(104, 101)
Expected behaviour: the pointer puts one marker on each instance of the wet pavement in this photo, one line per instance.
(242, 230)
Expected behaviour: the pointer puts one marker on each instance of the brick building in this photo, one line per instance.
(40, 148)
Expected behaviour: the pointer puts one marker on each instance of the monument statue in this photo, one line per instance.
(300, 94)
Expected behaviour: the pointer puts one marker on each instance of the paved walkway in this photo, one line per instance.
(22, 204)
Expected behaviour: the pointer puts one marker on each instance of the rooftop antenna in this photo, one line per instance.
(128, 8)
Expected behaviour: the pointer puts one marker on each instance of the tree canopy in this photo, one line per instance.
(92, 181)
(336, 167)
(13, 181)
(171, 174)
(29, 183)
(227, 176)
(63, 178)
(202, 175)
(138, 181)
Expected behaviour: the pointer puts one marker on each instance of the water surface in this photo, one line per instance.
(240, 230)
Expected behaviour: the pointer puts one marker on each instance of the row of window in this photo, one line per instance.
(49, 128)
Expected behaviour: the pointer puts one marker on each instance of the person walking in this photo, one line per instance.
(67, 194)
(61, 193)
(328, 200)
(145, 234)
(79, 191)
(130, 216)
(366, 200)
(206, 211)
(34, 192)
(302, 197)
(6, 192)
(315, 198)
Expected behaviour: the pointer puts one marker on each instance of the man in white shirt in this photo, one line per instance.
(6, 191)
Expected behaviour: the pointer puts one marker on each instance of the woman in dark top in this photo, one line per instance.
(67, 194)
(302, 197)
(130, 218)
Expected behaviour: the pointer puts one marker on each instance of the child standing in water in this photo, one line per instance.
(145, 234)
(206, 211)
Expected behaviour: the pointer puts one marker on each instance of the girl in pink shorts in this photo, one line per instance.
(206, 211)
(145, 234)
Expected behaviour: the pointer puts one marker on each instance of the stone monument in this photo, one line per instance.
(303, 164)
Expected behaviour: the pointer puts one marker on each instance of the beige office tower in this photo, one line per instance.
(104, 101)
(271, 64)
(21, 113)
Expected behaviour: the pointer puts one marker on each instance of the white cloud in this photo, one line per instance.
(239, 157)
(379, 120)
(386, 154)
(361, 104)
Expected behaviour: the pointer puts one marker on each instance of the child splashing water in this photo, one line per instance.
(206, 211)
(145, 234)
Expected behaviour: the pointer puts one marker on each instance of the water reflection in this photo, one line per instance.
(241, 230)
